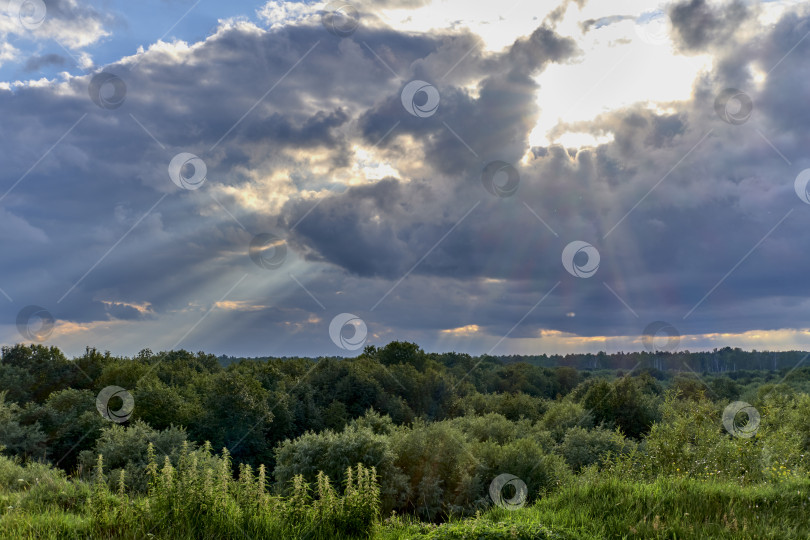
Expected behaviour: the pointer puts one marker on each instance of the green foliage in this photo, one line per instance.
(16, 383)
(167, 405)
(47, 370)
(512, 406)
(565, 414)
(691, 442)
(525, 458)
(124, 449)
(491, 427)
(439, 467)
(402, 352)
(366, 442)
(70, 421)
(689, 387)
(481, 528)
(629, 403)
(602, 505)
(582, 448)
(20, 440)
(236, 414)
(321, 448)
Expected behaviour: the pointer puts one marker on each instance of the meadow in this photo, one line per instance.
(398, 444)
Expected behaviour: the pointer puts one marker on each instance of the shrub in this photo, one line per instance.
(510, 405)
(581, 447)
(332, 452)
(18, 439)
(125, 449)
(525, 458)
(565, 414)
(629, 403)
(490, 427)
(439, 470)
(691, 441)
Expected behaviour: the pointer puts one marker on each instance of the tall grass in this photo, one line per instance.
(195, 499)
(190, 500)
(604, 506)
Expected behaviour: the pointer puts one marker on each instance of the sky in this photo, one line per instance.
(296, 178)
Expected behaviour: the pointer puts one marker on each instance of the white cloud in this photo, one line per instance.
(278, 13)
(71, 24)
(8, 53)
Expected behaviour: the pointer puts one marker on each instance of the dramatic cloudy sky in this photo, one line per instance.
(506, 177)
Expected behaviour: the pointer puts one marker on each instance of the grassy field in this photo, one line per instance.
(193, 502)
(594, 508)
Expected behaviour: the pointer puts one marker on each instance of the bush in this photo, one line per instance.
(332, 452)
(438, 467)
(629, 403)
(581, 447)
(490, 427)
(20, 440)
(125, 448)
(16, 477)
(525, 458)
(690, 441)
(512, 406)
(565, 414)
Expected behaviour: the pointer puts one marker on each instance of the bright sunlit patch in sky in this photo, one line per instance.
(618, 69)
(497, 23)
(620, 53)
(462, 330)
(368, 166)
(556, 342)
(578, 140)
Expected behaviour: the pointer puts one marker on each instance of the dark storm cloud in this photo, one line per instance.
(783, 99)
(111, 171)
(469, 257)
(697, 24)
(344, 230)
(602, 21)
(496, 123)
(35, 63)
(664, 256)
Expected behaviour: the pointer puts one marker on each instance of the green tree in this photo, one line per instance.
(236, 415)
(15, 438)
(402, 352)
(70, 421)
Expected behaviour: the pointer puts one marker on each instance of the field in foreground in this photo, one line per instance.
(396, 444)
(41, 503)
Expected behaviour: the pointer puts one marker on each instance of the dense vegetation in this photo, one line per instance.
(399, 443)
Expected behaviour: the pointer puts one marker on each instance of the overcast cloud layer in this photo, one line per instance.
(385, 214)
